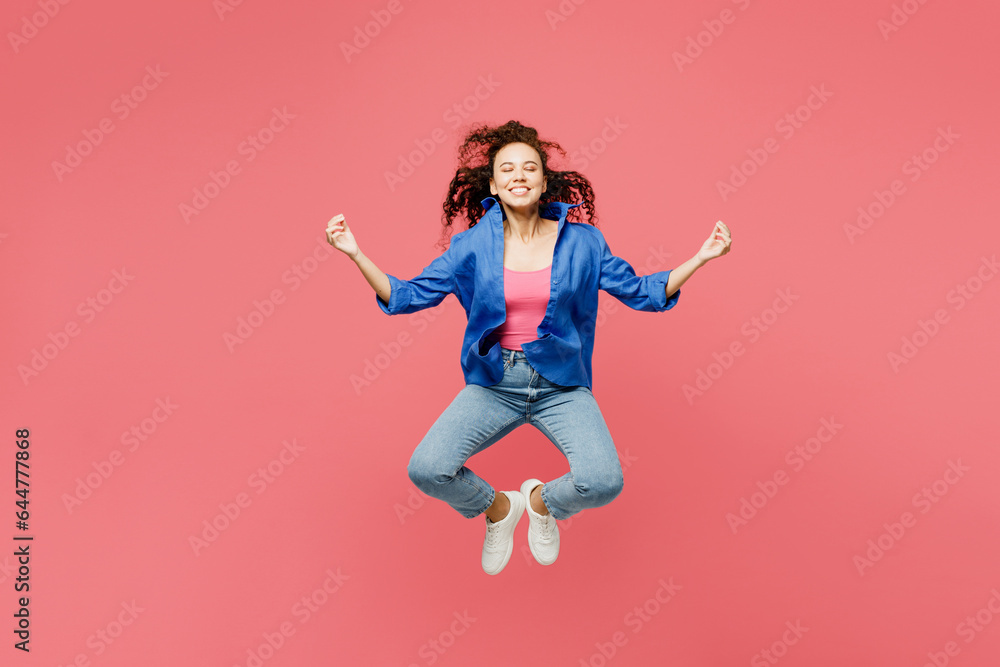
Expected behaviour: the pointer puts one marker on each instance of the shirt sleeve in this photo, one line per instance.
(618, 278)
(426, 290)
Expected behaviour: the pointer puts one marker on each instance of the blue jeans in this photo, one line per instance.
(479, 416)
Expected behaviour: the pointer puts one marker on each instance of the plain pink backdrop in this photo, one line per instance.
(660, 135)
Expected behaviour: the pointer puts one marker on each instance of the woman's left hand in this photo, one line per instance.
(718, 244)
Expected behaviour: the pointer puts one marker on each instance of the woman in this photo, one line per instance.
(528, 279)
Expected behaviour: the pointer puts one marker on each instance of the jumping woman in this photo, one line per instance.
(527, 272)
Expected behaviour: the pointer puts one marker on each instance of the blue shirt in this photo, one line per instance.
(472, 269)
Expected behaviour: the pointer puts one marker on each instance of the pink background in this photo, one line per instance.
(409, 566)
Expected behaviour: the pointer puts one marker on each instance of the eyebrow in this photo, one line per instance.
(525, 162)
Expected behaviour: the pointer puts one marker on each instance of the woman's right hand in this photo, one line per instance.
(340, 237)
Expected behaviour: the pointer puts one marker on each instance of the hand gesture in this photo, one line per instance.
(340, 237)
(718, 243)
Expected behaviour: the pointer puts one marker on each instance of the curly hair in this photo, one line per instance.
(472, 179)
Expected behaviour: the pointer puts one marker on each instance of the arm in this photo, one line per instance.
(426, 290)
(340, 236)
(619, 279)
(680, 275)
(374, 275)
(395, 296)
(717, 245)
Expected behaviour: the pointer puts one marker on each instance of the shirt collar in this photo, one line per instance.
(547, 210)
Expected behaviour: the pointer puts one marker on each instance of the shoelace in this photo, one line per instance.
(545, 525)
(492, 535)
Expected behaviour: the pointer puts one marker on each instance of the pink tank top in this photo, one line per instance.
(527, 296)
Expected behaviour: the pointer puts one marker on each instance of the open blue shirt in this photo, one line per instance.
(472, 269)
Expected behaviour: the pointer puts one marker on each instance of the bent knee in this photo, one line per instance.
(602, 490)
(424, 475)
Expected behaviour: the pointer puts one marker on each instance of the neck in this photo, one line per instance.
(526, 224)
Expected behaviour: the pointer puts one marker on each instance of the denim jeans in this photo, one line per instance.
(480, 416)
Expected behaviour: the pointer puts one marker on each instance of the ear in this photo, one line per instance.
(493, 187)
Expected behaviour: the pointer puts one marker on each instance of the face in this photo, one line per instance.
(517, 177)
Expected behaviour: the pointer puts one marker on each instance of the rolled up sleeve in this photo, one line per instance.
(426, 290)
(648, 292)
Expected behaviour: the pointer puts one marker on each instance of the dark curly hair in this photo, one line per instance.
(472, 179)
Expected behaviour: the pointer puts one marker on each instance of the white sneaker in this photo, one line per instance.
(499, 542)
(543, 533)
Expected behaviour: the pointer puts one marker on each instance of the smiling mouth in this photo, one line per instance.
(519, 191)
